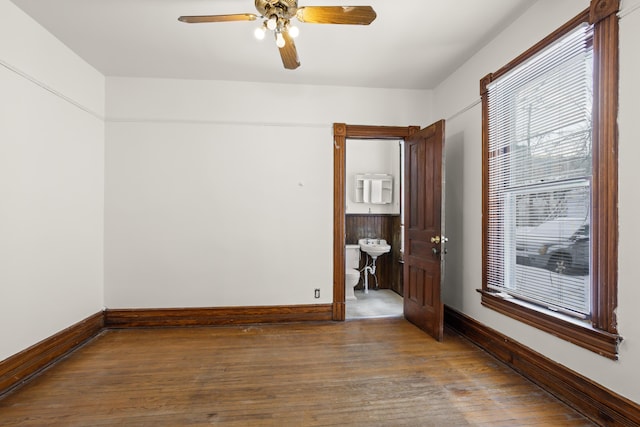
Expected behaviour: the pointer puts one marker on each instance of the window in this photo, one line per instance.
(550, 183)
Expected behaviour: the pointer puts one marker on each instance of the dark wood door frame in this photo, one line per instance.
(342, 132)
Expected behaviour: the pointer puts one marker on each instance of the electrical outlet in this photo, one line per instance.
(316, 293)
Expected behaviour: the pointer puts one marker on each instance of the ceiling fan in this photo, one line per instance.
(277, 15)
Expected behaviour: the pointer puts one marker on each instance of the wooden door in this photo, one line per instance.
(422, 229)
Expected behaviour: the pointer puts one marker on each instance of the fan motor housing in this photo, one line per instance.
(281, 8)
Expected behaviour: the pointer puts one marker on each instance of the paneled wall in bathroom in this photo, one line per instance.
(389, 266)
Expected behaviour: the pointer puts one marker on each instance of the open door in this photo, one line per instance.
(423, 224)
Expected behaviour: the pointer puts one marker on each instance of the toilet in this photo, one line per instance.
(352, 274)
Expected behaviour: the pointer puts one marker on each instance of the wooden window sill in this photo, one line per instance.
(575, 331)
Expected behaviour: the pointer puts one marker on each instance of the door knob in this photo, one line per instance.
(435, 239)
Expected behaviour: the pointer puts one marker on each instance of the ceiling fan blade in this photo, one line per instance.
(289, 53)
(354, 15)
(218, 18)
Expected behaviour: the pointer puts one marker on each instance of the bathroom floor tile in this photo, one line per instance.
(377, 303)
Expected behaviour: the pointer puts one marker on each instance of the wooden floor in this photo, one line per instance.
(381, 372)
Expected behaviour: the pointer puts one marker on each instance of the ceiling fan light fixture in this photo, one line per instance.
(280, 42)
(260, 32)
(272, 22)
(293, 31)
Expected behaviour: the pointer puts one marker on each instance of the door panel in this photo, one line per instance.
(422, 260)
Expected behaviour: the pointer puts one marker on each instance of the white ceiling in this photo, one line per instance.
(413, 44)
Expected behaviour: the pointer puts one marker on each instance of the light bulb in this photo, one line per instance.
(293, 31)
(259, 33)
(272, 23)
(280, 40)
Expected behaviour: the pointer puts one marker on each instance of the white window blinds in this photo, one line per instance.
(539, 117)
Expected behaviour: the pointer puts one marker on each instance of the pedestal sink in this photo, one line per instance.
(374, 248)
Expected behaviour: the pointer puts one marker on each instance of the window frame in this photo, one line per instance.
(600, 335)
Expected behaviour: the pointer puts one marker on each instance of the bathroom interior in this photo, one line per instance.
(374, 228)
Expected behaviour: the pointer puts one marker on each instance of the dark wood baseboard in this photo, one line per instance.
(593, 400)
(21, 366)
(181, 317)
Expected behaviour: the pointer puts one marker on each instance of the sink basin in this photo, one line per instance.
(374, 247)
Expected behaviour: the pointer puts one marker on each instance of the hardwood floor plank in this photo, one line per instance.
(382, 372)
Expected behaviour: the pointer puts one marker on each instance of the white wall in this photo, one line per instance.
(51, 184)
(221, 193)
(372, 157)
(464, 189)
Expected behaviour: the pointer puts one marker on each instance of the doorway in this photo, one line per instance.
(424, 243)
(343, 133)
(375, 214)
